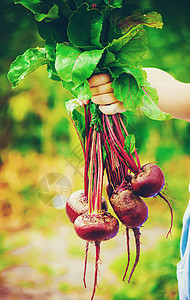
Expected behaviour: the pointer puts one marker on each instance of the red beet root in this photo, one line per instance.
(131, 210)
(149, 182)
(77, 205)
(96, 227)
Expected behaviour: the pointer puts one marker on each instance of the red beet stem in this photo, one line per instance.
(115, 140)
(112, 163)
(113, 148)
(97, 245)
(171, 212)
(118, 126)
(118, 129)
(110, 175)
(88, 144)
(86, 125)
(137, 240)
(100, 174)
(117, 121)
(90, 188)
(128, 253)
(85, 264)
(107, 140)
(95, 176)
(135, 151)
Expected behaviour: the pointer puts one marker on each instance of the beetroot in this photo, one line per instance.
(96, 227)
(149, 182)
(77, 205)
(131, 210)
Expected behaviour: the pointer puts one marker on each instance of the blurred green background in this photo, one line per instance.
(40, 255)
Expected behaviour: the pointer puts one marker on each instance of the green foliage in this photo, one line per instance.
(76, 113)
(94, 46)
(152, 19)
(78, 34)
(130, 143)
(126, 90)
(149, 107)
(41, 9)
(130, 48)
(70, 63)
(114, 3)
(25, 64)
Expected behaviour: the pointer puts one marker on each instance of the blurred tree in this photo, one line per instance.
(17, 32)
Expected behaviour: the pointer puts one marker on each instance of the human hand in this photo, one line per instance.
(100, 86)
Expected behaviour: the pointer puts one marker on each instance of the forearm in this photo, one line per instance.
(174, 96)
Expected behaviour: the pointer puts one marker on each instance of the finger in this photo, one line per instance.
(104, 99)
(99, 79)
(112, 108)
(102, 89)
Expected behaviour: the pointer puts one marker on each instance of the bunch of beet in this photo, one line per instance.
(128, 181)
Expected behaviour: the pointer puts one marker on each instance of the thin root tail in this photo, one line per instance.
(128, 253)
(85, 264)
(171, 212)
(136, 232)
(97, 245)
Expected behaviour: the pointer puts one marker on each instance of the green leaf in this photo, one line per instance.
(66, 4)
(74, 65)
(52, 73)
(65, 60)
(66, 7)
(152, 19)
(76, 112)
(115, 70)
(96, 115)
(109, 58)
(71, 105)
(118, 15)
(127, 90)
(52, 14)
(25, 64)
(139, 74)
(130, 48)
(51, 55)
(114, 3)
(41, 8)
(149, 106)
(55, 31)
(130, 144)
(50, 48)
(80, 91)
(85, 27)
